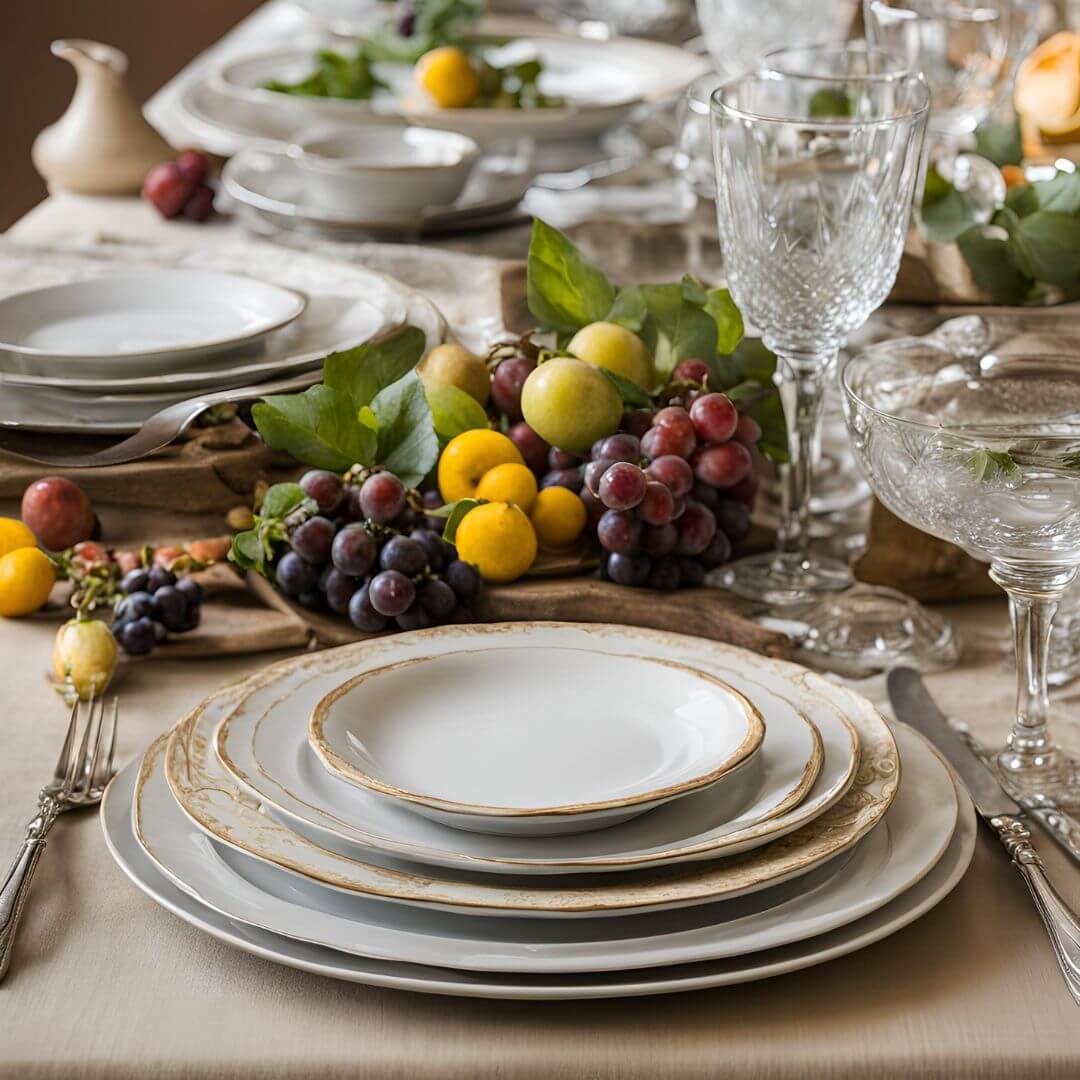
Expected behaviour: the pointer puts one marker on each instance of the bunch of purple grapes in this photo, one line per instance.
(671, 493)
(371, 556)
(154, 603)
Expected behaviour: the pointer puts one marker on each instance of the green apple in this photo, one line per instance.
(611, 346)
(570, 404)
(454, 365)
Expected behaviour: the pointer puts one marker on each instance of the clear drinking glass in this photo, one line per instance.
(985, 452)
(814, 186)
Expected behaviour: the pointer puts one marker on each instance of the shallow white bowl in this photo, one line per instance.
(534, 741)
(384, 171)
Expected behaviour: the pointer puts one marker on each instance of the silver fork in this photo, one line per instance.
(78, 780)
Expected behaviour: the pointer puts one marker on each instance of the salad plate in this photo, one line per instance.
(210, 796)
(911, 838)
(140, 324)
(909, 905)
(592, 739)
(806, 763)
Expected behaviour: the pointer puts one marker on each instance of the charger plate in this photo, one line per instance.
(207, 792)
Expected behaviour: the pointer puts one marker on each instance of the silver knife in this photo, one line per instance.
(912, 704)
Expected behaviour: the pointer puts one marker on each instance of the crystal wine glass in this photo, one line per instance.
(985, 452)
(814, 186)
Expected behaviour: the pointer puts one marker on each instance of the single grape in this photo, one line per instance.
(531, 447)
(623, 486)
(138, 637)
(194, 615)
(157, 576)
(657, 540)
(414, 618)
(136, 605)
(391, 592)
(706, 495)
(406, 521)
(733, 517)
(637, 422)
(691, 371)
(134, 581)
(432, 500)
(313, 601)
(747, 431)
(506, 383)
(325, 487)
(717, 553)
(621, 447)
(191, 589)
(628, 568)
(618, 530)
(313, 539)
(353, 550)
(714, 418)
(382, 497)
(722, 466)
(437, 599)
(463, 579)
(665, 573)
(594, 471)
(193, 165)
(560, 459)
(676, 421)
(696, 527)
(673, 472)
(745, 491)
(691, 572)
(339, 589)
(403, 554)
(294, 576)
(658, 505)
(659, 442)
(433, 545)
(362, 615)
(567, 478)
(350, 508)
(172, 607)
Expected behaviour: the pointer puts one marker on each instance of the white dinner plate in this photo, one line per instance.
(210, 796)
(807, 762)
(900, 851)
(116, 818)
(136, 325)
(589, 740)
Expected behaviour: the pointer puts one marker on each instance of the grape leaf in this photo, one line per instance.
(993, 267)
(990, 464)
(629, 310)
(947, 216)
(454, 512)
(728, 319)
(1046, 245)
(453, 411)
(364, 371)
(564, 290)
(682, 328)
(407, 443)
(630, 392)
(1000, 142)
(282, 499)
(1061, 193)
(1022, 200)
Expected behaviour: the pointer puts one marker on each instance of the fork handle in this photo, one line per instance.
(16, 887)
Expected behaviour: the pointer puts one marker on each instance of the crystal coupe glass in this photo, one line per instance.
(814, 187)
(985, 452)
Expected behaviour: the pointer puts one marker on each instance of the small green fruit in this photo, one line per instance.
(570, 404)
(85, 653)
(454, 365)
(611, 346)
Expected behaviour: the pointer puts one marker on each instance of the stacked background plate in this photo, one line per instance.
(249, 845)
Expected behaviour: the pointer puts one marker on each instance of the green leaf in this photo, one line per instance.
(947, 216)
(693, 290)
(826, 103)
(247, 550)
(1022, 200)
(1062, 193)
(564, 290)
(993, 267)
(457, 511)
(453, 411)
(728, 319)
(682, 329)
(935, 188)
(364, 371)
(1047, 246)
(991, 464)
(629, 310)
(318, 427)
(1000, 142)
(408, 445)
(750, 361)
(630, 392)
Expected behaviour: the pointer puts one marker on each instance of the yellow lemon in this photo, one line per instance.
(448, 77)
(498, 540)
(85, 652)
(558, 518)
(468, 456)
(26, 579)
(14, 534)
(510, 483)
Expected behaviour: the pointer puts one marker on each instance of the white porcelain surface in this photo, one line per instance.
(116, 820)
(140, 324)
(263, 744)
(534, 741)
(210, 796)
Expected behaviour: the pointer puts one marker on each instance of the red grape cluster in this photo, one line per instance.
(370, 555)
(179, 187)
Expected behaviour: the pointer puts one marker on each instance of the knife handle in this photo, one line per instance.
(1061, 826)
(1061, 924)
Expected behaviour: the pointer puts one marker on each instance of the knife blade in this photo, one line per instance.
(912, 704)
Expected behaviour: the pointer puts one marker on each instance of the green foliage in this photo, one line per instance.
(1000, 142)
(564, 290)
(253, 549)
(335, 76)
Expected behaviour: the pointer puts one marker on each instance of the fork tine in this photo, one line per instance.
(78, 765)
(63, 762)
(95, 757)
(102, 775)
(91, 742)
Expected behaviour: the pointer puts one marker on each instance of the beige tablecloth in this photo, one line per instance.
(107, 984)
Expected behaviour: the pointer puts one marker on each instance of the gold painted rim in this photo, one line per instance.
(749, 745)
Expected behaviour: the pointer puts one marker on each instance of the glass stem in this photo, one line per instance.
(800, 379)
(1034, 593)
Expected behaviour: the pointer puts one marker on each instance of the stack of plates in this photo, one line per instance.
(541, 811)
(105, 345)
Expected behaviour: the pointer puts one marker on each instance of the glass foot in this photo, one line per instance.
(1041, 769)
(783, 580)
(870, 629)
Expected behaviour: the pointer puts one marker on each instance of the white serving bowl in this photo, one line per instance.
(381, 171)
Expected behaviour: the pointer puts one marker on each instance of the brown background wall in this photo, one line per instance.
(159, 36)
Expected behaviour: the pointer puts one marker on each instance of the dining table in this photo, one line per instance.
(106, 983)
